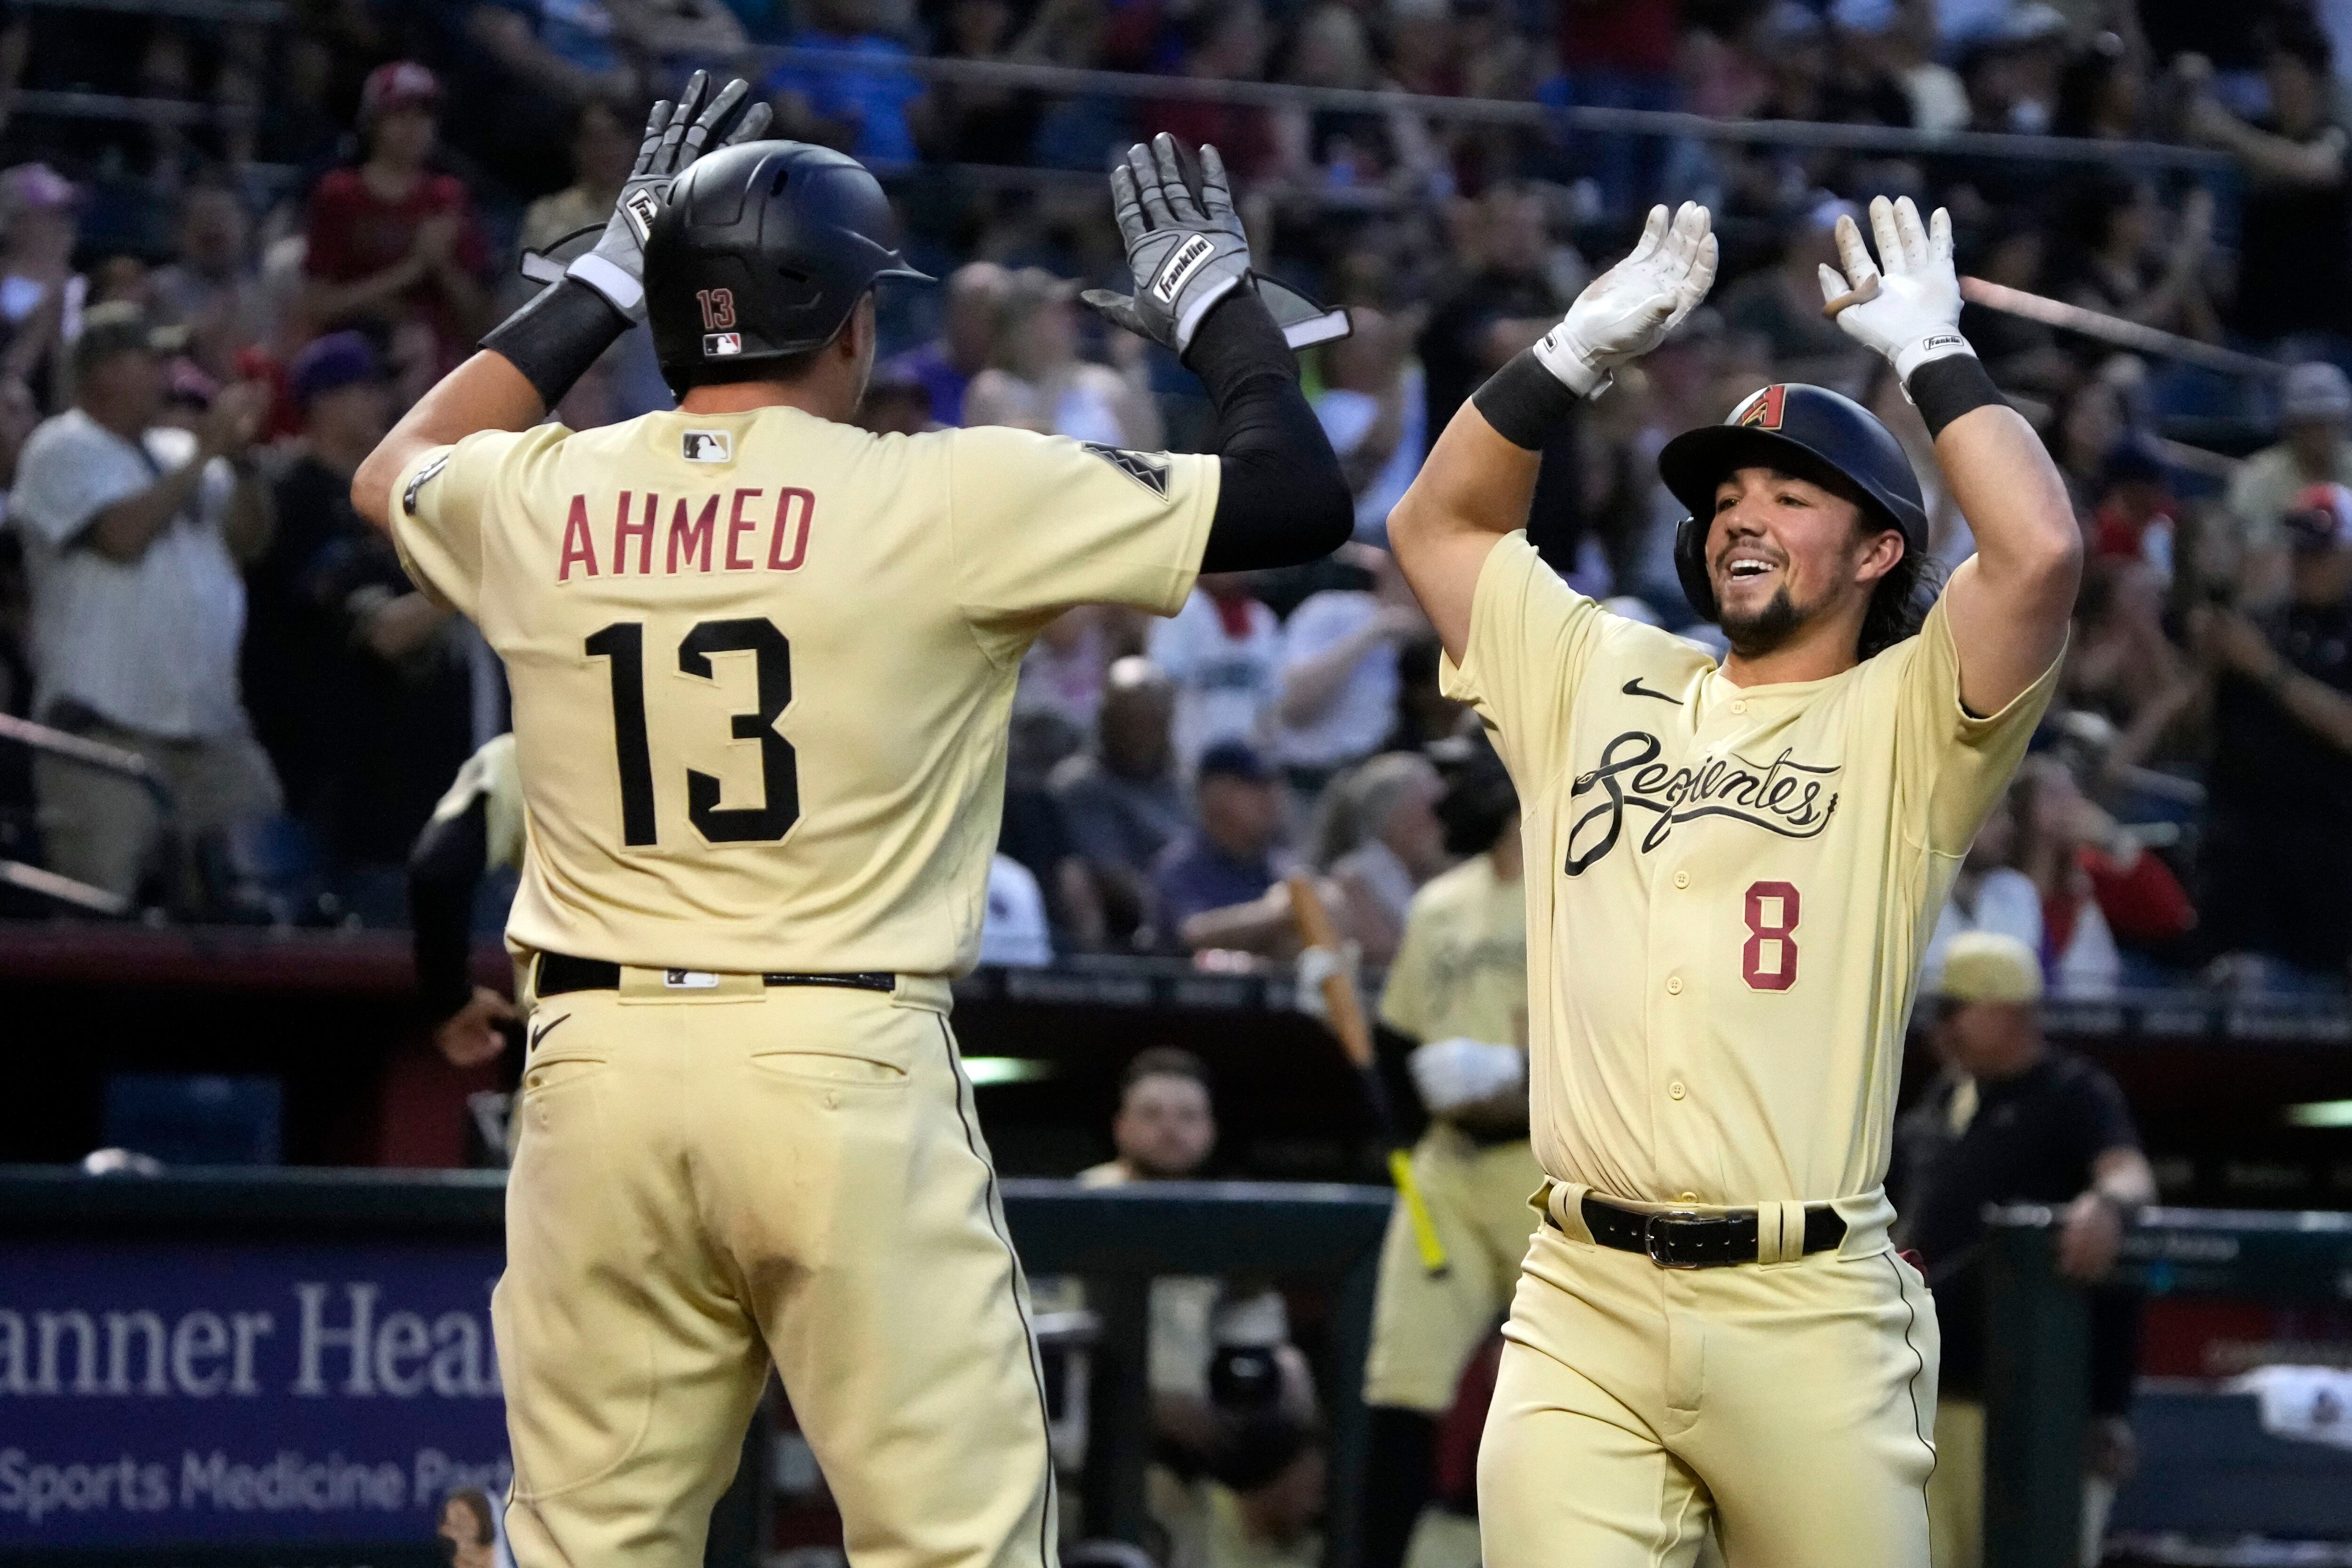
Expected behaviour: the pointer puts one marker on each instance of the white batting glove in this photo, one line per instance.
(1451, 1074)
(1317, 964)
(1911, 311)
(1629, 309)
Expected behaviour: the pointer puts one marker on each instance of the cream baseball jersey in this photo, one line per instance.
(763, 663)
(1728, 888)
(1461, 970)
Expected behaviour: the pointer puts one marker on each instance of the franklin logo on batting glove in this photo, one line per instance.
(1188, 259)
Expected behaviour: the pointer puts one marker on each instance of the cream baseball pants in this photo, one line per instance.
(1786, 1407)
(710, 1180)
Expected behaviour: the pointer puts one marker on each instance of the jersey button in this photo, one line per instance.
(1740, 707)
(1682, 878)
(1674, 1089)
(1689, 1198)
(1674, 985)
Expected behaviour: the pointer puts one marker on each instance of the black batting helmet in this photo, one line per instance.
(760, 251)
(1804, 430)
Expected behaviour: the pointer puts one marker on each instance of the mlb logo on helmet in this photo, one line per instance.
(719, 345)
(1762, 411)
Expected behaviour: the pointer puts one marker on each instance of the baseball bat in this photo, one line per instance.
(1345, 1009)
(2113, 329)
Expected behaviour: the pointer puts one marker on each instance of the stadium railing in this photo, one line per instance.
(2037, 1366)
(73, 749)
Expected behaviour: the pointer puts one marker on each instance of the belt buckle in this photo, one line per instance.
(1651, 1236)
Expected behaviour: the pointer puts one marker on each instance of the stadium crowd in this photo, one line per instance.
(206, 320)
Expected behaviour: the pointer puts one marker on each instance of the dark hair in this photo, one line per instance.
(478, 1503)
(1480, 800)
(1900, 602)
(1163, 1061)
(2304, 41)
(2083, 83)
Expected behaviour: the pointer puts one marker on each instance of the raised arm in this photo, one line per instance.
(2009, 602)
(1480, 477)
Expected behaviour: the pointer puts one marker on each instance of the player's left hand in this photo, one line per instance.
(1910, 311)
(1186, 253)
(2089, 1239)
(676, 135)
(470, 1036)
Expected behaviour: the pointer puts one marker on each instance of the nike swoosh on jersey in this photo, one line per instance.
(1634, 688)
(543, 1030)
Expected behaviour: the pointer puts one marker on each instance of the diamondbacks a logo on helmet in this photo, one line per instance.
(1762, 411)
(708, 445)
(721, 345)
(1177, 271)
(1146, 468)
(642, 207)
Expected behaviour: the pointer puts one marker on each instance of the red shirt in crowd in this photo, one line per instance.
(356, 233)
(1633, 36)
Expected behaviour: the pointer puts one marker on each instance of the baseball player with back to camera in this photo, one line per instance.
(763, 663)
(1731, 873)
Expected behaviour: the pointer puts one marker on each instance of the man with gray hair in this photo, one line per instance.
(134, 534)
(2315, 412)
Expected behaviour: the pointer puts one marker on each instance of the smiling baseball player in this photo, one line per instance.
(1731, 873)
(763, 664)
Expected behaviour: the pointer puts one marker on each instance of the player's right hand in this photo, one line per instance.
(1186, 253)
(1629, 309)
(676, 135)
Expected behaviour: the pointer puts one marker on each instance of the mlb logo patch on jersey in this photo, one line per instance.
(708, 445)
(689, 979)
(1762, 411)
(719, 345)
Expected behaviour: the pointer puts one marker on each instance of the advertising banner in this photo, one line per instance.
(242, 1394)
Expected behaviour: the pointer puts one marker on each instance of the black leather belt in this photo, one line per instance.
(558, 974)
(1675, 1240)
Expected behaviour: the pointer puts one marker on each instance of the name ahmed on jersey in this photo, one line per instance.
(1784, 796)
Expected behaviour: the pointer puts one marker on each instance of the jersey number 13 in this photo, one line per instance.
(623, 644)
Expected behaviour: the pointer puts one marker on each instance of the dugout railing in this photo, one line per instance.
(2037, 1364)
(85, 1263)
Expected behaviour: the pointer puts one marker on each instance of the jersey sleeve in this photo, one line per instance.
(1404, 999)
(1039, 522)
(1951, 767)
(446, 498)
(1531, 636)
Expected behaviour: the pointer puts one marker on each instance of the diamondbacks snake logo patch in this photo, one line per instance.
(1146, 468)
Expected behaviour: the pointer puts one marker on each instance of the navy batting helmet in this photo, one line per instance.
(1807, 431)
(760, 251)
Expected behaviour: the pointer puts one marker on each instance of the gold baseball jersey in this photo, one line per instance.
(763, 664)
(1461, 968)
(1728, 887)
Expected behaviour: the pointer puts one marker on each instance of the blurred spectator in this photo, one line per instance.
(1372, 407)
(211, 286)
(1122, 799)
(1989, 894)
(1224, 40)
(1390, 805)
(1260, 1504)
(41, 296)
(1783, 303)
(2120, 665)
(2278, 848)
(861, 103)
(1014, 931)
(1036, 379)
(972, 122)
(2315, 414)
(895, 403)
(1224, 651)
(2015, 1120)
(2100, 886)
(133, 536)
(2118, 260)
(977, 293)
(1339, 672)
(2102, 93)
(2294, 267)
(2132, 516)
(1620, 53)
(1063, 672)
(361, 686)
(604, 135)
(469, 1529)
(1211, 885)
(390, 241)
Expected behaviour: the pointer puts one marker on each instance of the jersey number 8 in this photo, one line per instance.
(623, 643)
(1768, 961)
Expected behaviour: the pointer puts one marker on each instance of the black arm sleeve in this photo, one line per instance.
(1281, 498)
(442, 869)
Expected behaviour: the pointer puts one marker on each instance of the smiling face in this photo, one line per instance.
(1784, 553)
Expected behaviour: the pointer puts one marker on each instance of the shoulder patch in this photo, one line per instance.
(408, 497)
(1148, 469)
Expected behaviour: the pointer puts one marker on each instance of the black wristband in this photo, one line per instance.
(1236, 341)
(1944, 389)
(1525, 403)
(555, 338)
